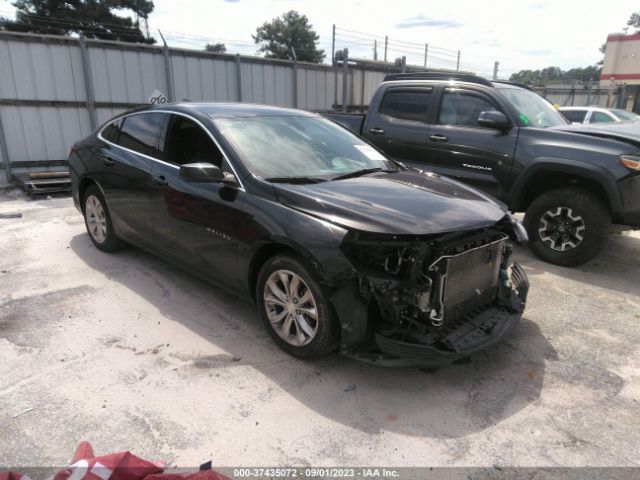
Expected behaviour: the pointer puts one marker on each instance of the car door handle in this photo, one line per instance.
(438, 138)
(160, 181)
(376, 131)
(108, 162)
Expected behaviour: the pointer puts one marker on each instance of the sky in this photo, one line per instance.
(520, 34)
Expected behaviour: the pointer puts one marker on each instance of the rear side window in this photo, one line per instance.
(409, 104)
(141, 133)
(576, 116)
(599, 117)
(111, 132)
(462, 108)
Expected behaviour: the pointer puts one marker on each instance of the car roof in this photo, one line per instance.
(230, 110)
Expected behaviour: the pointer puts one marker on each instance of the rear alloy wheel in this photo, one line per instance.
(98, 221)
(294, 309)
(567, 226)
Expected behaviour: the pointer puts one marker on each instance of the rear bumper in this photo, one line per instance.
(486, 328)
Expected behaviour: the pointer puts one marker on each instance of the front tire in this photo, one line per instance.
(295, 308)
(98, 221)
(567, 226)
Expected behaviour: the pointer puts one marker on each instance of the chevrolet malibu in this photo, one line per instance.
(339, 246)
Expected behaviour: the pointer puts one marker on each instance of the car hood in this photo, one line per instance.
(406, 202)
(628, 132)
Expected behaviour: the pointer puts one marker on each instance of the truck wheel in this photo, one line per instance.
(567, 226)
(295, 308)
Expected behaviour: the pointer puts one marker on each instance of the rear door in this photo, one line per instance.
(399, 126)
(466, 151)
(195, 223)
(124, 171)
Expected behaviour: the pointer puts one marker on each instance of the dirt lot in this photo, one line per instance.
(130, 353)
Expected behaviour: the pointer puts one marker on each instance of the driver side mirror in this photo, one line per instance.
(206, 172)
(494, 119)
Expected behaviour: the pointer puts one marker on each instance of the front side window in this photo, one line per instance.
(187, 142)
(300, 146)
(406, 104)
(600, 117)
(462, 108)
(141, 133)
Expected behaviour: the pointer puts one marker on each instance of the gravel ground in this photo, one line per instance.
(130, 353)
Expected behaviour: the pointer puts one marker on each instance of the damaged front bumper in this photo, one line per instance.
(430, 302)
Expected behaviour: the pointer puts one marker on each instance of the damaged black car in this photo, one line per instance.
(339, 246)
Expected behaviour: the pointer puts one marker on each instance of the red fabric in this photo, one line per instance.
(115, 466)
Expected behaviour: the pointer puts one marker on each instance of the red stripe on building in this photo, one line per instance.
(621, 37)
(620, 76)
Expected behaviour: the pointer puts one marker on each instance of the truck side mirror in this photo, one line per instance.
(494, 119)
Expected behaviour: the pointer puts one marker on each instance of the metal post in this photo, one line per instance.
(375, 49)
(589, 88)
(295, 78)
(5, 153)
(333, 46)
(458, 62)
(345, 79)
(168, 70)
(362, 85)
(426, 51)
(239, 77)
(403, 64)
(88, 82)
(386, 43)
(496, 64)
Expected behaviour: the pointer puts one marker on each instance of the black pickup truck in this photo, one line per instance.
(505, 139)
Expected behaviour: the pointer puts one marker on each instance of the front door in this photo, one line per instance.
(466, 151)
(195, 223)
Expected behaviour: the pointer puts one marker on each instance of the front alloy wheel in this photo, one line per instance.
(295, 309)
(291, 308)
(561, 228)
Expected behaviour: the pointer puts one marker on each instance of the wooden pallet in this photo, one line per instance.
(44, 182)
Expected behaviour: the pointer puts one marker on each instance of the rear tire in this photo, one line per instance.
(567, 226)
(98, 221)
(295, 308)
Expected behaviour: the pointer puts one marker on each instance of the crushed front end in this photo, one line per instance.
(431, 300)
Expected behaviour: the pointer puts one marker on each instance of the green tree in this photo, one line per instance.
(634, 21)
(216, 47)
(556, 75)
(91, 18)
(291, 31)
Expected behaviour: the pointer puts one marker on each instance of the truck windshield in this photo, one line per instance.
(531, 108)
(300, 147)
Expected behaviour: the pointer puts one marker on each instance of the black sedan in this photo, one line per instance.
(339, 246)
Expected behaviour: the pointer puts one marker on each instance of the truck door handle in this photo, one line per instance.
(160, 181)
(438, 138)
(376, 131)
(108, 162)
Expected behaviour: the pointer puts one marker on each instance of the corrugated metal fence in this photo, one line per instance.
(55, 90)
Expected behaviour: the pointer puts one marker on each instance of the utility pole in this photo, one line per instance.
(333, 46)
(386, 43)
(426, 51)
(458, 62)
(496, 64)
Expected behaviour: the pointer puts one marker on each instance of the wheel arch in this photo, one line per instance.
(548, 174)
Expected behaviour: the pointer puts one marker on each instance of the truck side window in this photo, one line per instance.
(462, 108)
(407, 104)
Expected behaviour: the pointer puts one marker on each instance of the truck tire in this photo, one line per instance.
(568, 226)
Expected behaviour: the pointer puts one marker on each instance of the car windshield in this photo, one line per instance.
(282, 147)
(532, 109)
(625, 116)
